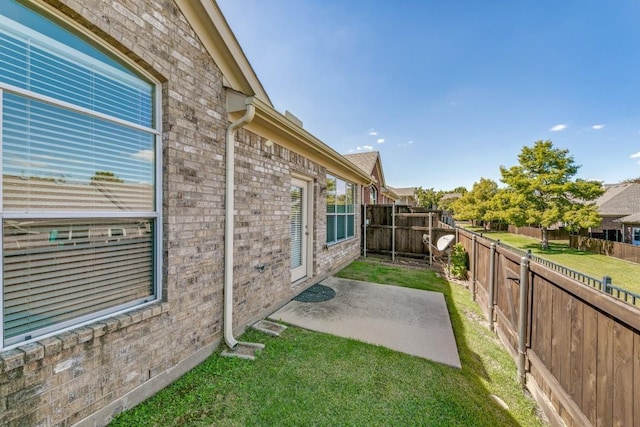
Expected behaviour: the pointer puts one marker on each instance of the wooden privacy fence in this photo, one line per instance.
(573, 344)
(606, 247)
(536, 232)
(402, 233)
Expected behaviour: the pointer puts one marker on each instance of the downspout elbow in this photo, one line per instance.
(229, 225)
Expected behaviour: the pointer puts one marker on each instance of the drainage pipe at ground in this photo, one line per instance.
(229, 219)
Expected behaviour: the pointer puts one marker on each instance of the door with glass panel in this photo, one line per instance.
(299, 228)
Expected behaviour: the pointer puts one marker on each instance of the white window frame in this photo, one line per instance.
(342, 214)
(155, 216)
(373, 195)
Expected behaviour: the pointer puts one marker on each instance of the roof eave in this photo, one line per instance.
(271, 124)
(211, 27)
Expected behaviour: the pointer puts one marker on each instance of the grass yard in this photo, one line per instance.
(624, 274)
(306, 378)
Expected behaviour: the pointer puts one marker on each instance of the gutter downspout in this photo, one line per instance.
(228, 223)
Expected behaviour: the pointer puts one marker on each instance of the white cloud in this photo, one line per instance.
(380, 140)
(597, 127)
(558, 127)
(635, 155)
(372, 132)
(405, 144)
(144, 155)
(365, 147)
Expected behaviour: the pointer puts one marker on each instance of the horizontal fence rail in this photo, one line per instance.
(603, 284)
(577, 349)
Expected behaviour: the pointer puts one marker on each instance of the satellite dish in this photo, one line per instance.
(445, 241)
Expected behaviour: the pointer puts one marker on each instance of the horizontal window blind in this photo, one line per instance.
(57, 270)
(79, 218)
(56, 159)
(296, 226)
(35, 62)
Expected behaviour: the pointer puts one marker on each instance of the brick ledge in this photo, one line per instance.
(19, 356)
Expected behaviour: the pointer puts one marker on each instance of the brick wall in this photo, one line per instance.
(608, 223)
(366, 191)
(92, 372)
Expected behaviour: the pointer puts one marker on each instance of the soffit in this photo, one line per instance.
(209, 24)
(273, 125)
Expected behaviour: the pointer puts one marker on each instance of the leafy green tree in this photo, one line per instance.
(460, 190)
(428, 198)
(446, 201)
(541, 191)
(477, 204)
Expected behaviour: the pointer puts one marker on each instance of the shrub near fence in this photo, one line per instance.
(606, 247)
(575, 345)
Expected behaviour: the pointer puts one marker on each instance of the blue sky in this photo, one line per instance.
(449, 91)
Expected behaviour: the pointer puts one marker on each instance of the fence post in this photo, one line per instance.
(365, 220)
(393, 233)
(606, 281)
(492, 283)
(473, 267)
(522, 318)
(430, 239)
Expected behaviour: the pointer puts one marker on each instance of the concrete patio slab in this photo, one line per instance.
(412, 321)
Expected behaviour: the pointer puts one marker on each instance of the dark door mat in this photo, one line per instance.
(316, 293)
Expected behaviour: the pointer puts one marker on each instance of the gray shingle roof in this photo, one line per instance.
(365, 161)
(630, 219)
(405, 191)
(620, 199)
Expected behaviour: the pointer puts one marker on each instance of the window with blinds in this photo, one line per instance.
(340, 209)
(79, 209)
(297, 209)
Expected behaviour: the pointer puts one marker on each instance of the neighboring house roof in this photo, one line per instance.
(619, 200)
(405, 191)
(390, 192)
(365, 161)
(630, 219)
(450, 196)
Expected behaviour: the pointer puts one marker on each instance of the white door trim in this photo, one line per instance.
(305, 269)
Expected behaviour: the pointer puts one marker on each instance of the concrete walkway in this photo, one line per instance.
(412, 321)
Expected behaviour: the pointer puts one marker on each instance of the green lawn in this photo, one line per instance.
(624, 274)
(306, 378)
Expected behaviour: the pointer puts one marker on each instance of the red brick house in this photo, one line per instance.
(377, 192)
(619, 208)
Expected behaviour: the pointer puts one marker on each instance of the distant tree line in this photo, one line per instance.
(539, 191)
